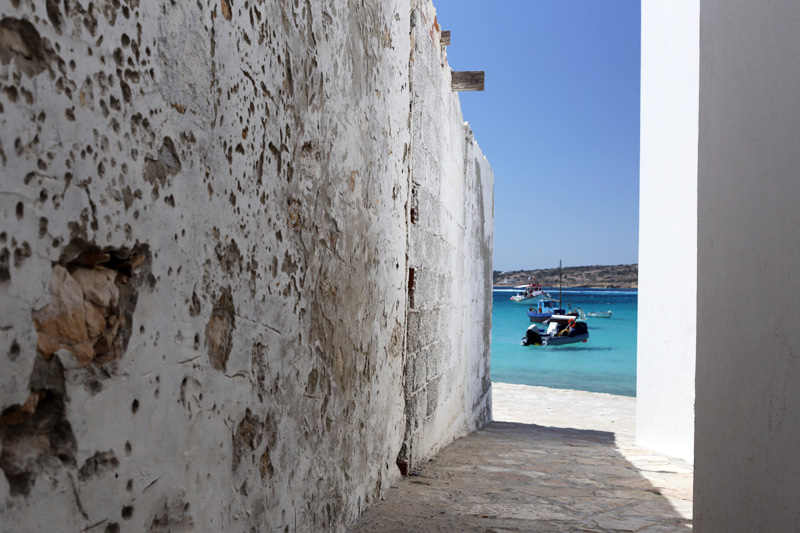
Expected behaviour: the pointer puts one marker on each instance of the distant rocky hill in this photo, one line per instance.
(598, 276)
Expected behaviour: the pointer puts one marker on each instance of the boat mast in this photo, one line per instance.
(559, 283)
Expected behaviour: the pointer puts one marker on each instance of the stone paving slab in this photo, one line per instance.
(551, 461)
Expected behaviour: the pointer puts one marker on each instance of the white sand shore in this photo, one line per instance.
(565, 408)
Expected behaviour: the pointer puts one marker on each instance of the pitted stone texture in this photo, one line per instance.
(259, 151)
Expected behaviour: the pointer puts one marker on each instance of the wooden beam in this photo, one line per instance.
(445, 38)
(468, 80)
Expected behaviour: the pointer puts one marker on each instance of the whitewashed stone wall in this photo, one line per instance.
(204, 219)
(448, 391)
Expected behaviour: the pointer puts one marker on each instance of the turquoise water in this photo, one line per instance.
(606, 363)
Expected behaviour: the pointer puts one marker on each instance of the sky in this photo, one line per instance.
(558, 122)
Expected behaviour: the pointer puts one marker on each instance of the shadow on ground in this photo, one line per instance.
(524, 477)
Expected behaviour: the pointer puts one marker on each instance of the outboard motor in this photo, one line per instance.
(532, 336)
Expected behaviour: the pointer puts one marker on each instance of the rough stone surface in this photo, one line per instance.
(204, 257)
(553, 460)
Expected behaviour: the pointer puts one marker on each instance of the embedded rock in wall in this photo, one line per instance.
(92, 302)
(204, 248)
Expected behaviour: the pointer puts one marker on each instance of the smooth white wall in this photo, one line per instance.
(668, 226)
(747, 474)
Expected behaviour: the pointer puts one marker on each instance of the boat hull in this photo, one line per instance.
(520, 299)
(558, 341)
(540, 318)
(536, 337)
(528, 297)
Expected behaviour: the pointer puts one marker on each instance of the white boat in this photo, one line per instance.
(599, 314)
(531, 291)
(561, 329)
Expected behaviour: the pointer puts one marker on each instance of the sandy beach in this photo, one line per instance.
(544, 406)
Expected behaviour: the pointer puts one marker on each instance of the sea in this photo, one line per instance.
(606, 363)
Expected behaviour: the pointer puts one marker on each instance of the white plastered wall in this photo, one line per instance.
(668, 226)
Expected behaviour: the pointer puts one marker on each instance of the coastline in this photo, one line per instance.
(588, 277)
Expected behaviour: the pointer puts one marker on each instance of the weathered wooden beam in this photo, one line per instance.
(468, 80)
(445, 38)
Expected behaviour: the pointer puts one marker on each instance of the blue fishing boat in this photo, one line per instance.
(544, 310)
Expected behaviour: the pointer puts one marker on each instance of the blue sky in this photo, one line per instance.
(558, 122)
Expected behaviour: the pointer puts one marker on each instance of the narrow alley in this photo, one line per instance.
(551, 461)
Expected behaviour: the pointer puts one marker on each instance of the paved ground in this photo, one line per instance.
(551, 461)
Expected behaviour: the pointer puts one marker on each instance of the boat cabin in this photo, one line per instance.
(522, 291)
(546, 306)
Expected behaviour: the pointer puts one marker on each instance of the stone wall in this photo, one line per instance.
(204, 257)
(452, 213)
